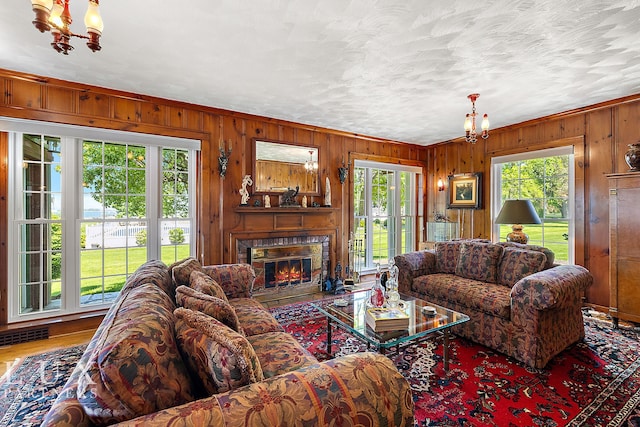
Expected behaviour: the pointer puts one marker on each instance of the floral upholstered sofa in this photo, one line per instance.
(518, 301)
(186, 346)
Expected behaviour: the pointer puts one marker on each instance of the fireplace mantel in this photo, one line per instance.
(289, 209)
(282, 224)
(283, 219)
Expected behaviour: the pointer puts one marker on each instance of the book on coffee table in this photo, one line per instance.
(382, 319)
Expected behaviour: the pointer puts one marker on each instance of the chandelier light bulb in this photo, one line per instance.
(42, 9)
(42, 4)
(92, 19)
(56, 16)
(467, 123)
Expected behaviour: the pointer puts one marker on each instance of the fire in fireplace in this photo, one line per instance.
(279, 267)
(287, 272)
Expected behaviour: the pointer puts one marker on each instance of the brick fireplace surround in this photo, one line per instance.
(288, 248)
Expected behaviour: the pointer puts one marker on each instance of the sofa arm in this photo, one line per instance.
(236, 279)
(355, 390)
(412, 265)
(558, 287)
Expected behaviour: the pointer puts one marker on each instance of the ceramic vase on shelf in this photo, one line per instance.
(632, 157)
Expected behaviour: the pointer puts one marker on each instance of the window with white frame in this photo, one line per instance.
(386, 211)
(85, 213)
(545, 177)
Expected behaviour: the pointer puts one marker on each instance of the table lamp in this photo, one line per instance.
(516, 213)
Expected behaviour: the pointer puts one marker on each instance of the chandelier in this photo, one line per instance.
(54, 16)
(311, 165)
(470, 122)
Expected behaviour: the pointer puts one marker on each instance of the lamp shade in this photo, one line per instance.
(518, 212)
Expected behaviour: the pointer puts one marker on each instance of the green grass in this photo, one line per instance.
(553, 237)
(115, 267)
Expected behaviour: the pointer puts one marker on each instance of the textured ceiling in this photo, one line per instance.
(397, 69)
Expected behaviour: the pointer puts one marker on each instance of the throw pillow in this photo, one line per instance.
(518, 263)
(205, 284)
(447, 254)
(210, 305)
(181, 270)
(479, 261)
(235, 279)
(548, 252)
(219, 357)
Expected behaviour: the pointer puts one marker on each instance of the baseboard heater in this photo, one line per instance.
(17, 337)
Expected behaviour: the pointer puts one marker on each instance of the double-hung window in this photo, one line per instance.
(545, 177)
(386, 211)
(87, 211)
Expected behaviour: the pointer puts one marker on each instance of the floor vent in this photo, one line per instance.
(17, 337)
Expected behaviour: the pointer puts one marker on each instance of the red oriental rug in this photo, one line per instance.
(593, 383)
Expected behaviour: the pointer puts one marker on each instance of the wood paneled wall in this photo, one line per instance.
(599, 134)
(40, 98)
(603, 131)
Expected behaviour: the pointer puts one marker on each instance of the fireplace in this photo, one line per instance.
(286, 266)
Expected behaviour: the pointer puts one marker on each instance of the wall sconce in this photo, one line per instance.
(440, 184)
(343, 172)
(223, 160)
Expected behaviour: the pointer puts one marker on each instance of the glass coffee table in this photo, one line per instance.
(351, 318)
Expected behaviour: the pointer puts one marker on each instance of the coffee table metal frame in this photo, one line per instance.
(351, 318)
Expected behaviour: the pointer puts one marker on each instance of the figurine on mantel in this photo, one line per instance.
(267, 201)
(304, 201)
(327, 193)
(244, 194)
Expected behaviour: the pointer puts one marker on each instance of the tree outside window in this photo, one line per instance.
(546, 182)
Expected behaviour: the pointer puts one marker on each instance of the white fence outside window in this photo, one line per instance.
(116, 235)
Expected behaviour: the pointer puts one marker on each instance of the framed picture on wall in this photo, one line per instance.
(465, 191)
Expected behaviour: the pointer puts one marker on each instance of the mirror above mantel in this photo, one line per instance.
(280, 166)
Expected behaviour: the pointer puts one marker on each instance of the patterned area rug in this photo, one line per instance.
(32, 384)
(594, 383)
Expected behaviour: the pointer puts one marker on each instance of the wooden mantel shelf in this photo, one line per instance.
(278, 210)
(257, 218)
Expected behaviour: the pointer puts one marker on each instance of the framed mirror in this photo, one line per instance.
(280, 166)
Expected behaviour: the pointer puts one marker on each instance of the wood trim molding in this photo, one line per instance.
(563, 142)
(4, 226)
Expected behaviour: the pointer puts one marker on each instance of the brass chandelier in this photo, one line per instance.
(54, 16)
(470, 122)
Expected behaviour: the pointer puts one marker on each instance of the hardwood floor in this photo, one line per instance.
(8, 354)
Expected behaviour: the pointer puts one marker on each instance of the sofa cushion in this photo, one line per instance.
(280, 352)
(135, 367)
(468, 294)
(181, 270)
(548, 252)
(479, 261)
(447, 254)
(153, 271)
(212, 306)
(205, 284)
(254, 318)
(220, 358)
(518, 263)
(236, 279)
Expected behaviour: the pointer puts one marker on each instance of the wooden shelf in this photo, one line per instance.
(278, 210)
